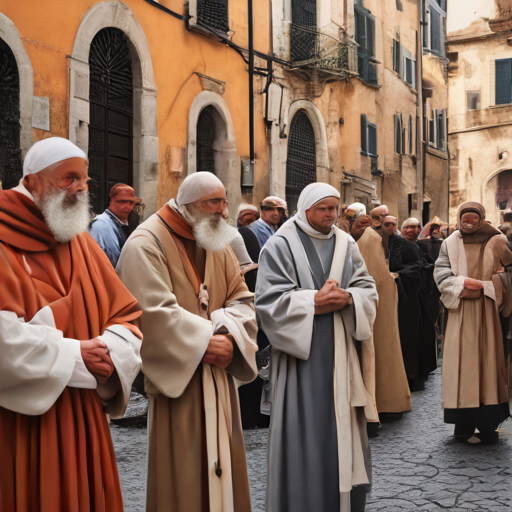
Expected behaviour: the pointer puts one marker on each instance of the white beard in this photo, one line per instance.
(212, 233)
(65, 220)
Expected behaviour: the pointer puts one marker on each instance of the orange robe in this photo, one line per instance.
(62, 460)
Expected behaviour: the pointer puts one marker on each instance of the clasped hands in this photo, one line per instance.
(219, 351)
(96, 356)
(472, 289)
(330, 298)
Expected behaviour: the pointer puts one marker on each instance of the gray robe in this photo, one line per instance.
(303, 458)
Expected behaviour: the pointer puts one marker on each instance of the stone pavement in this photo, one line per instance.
(417, 465)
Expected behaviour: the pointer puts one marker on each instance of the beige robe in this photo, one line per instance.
(474, 369)
(194, 419)
(391, 388)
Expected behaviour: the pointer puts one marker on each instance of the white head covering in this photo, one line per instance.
(197, 185)
(409, 221)
(47, 152)
(359, 208)
(246, 206)
(311, 195)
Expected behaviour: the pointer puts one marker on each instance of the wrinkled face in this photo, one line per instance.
(411, 232)
(214, 204)
(470, 222)
(69, 175)
(272, 214)
(122, 204)
(389, 226)
(322, 215)
(247, 217)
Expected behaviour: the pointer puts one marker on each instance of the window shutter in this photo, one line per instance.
(372, 139)
(503, 81)
(397, 134)
(364, 130)
(440, 129)
(435, 31)
(370, 34)
(410, 135)
(361, 31)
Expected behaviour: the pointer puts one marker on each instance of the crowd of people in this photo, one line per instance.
(323, 320)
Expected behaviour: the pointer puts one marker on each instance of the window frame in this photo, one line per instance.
(366, 127)
(501, 103)
(428, 7)
(478, 103)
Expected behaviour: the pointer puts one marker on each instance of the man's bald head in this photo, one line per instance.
(378, 214)
(389, 225)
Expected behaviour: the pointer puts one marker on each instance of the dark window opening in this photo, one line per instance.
(206, 137)
(503, 81)
(213, 14)
(10, 150)
(396, 55)
(473, 98)
(411, 139)
(504, 189)
(409, 71)
(111, 115)
(301, 160)
(368, 137)
(398, 133)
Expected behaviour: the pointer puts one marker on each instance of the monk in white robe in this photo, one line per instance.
(475, 387)
(200, 330)
(316, 303)
(69, 347)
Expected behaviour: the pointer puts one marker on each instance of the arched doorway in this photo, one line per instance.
(10, 149)
(111, 115)
(301, 160)
(206, 138)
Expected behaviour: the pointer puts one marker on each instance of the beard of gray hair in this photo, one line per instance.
(65, 217)
(211, 232)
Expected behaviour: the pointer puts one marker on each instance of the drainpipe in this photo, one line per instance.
(420, 154)
(251, 82)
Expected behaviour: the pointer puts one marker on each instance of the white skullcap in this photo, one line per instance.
(409, 221)
(359, 208)
(246, 206)
(47, 152)
(197, 185)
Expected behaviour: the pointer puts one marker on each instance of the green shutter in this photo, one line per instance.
(503, 81)
(364, 128)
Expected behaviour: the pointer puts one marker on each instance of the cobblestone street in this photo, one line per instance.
(417, 464)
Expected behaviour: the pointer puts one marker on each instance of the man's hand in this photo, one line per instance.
(219, 351)
(330, 298)
(97, 359)
(472, 284)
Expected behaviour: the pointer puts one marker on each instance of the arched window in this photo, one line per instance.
(111, 115)
(10, 150)
(301, 160)
(206, 139)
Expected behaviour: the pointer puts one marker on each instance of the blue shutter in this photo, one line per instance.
(503, 81)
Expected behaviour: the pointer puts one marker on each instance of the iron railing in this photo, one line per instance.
(312, 49)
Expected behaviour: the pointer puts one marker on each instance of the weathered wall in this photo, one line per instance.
(48, 31)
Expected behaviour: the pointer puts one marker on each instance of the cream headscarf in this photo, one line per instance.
(311, 195)
(197, 185)
(50, 151)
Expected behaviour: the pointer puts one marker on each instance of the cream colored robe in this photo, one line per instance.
(391, 388)
(474, 369)
(194, 419)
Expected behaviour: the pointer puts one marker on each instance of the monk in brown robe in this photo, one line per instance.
(199, 333)
(69, 347)
(475, 388)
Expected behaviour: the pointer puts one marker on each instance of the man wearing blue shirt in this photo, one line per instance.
(109, 228)
(271, 209)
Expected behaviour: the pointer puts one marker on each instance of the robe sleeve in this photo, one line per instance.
(175, 340)
(37, 362)
(239, 319)
(285, 312)
(359, 318)
(449, 285)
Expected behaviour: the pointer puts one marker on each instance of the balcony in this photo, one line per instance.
(310, 49)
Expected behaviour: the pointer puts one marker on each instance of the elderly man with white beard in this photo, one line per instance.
(69, 347)
(199, 326)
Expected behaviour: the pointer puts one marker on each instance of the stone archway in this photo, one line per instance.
(226, 159)
(114, 14)
(492, 196)
(10, 35)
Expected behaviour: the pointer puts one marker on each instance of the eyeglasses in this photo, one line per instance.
(214, 202)
(280, 209)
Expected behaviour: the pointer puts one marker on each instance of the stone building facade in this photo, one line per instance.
(480, 106)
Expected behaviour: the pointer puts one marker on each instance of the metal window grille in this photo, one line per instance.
(10, 151)
(213, 14)
(303, 42)
(206, 136)
(111, 115)
(301, 161)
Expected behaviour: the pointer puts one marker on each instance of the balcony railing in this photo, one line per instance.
(316, 50)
